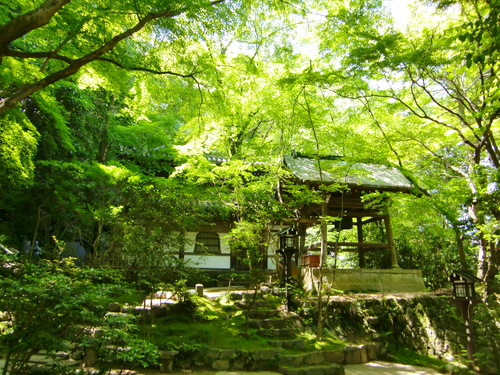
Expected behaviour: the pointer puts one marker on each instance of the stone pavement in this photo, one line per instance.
(386, 368)
(371, 368)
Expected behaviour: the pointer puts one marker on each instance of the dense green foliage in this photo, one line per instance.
(107, 117)
(108, 112)
(38, 301)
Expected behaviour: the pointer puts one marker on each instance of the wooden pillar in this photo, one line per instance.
(324, 232)
(390, 241)
(302, 243)
(465, 306)
(182, 248)
(361, 249)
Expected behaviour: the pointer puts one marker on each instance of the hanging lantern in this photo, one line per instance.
(288, 238)
(463, 284)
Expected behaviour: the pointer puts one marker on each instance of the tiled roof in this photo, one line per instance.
(353, 174)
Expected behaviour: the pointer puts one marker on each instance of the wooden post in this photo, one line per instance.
(302, 244)
(390, 241)
(465, 306)
(361, 249)
(324, 232)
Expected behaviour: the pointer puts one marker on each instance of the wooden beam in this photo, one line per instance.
(338, 214)
(373, 219)
(365, 245)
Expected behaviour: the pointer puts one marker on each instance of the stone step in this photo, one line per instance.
(283, 332)
(261, 314)
(268, 323)
(288, 344)
(248, 305)
(303, 359)
(323, 369)
(350, 355)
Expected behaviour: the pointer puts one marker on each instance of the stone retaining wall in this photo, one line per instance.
(395, 280)
(273, 359)
(427, 324)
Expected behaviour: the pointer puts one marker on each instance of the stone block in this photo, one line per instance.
(262, 365)
(276, 344)
(221, 365)
(296, 344)
(184, 363)
(299, 344)
(213, 354)
(293, 360)
(371, 352)
(285, 370)
(167, 360)
(168, 354)
(381, 350)
(352, 355)
(272, 313)
(314, 358)
(277, 323)
(90, 357)
(77, 355)
(256, 314)
(287, 332)
(261, 303)
(199, 289)
(334, 369)
(319, 370)
(226, 353)
(239, 363)
(255, 324)
(260, 355)
(363, 353)
(334, 356)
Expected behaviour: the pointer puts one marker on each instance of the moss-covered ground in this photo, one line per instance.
(203, 323)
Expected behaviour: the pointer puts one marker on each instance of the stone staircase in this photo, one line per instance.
(282, 327)
(269, 322)
(312, 363)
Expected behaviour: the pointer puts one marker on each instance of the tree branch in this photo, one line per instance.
(75, 65)
(24, 23)
(54, 55)
(152, 71)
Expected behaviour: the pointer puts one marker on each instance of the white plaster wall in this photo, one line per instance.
(210, 261)
(220, 261)
(271, 263)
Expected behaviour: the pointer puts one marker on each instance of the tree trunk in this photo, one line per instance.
(460, 246)
(104, 144)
